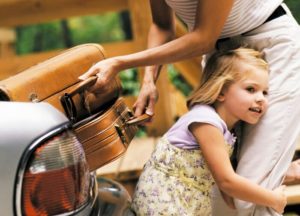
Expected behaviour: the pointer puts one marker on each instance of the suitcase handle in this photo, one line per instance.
(83, 85)
(139, 119)
(70, 108)
(133, 121)
(79, 88)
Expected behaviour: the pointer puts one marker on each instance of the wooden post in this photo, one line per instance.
(141, 21)
(7, 41)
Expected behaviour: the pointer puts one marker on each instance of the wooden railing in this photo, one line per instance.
(24, 12)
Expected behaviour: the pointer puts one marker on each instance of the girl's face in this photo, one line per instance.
(245, 99)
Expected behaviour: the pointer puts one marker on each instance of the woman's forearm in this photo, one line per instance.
(156, 37)
(187, 46)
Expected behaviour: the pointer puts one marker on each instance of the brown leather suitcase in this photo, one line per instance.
(48, 81)
(103, 123)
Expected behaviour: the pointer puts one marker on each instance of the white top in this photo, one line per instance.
(244, 16)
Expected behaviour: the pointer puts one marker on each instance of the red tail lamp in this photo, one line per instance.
(56, 179)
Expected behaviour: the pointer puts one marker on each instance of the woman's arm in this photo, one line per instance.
(213, 148)
(161, 31)
(210, 18)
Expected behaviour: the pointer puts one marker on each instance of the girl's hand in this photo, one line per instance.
(292, 175)
(281, 199)
(146, 100)
(106, 70)
(228, 200)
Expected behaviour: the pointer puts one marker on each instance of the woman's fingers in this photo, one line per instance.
(92, 71)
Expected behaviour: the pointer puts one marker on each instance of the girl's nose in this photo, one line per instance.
(260, 97)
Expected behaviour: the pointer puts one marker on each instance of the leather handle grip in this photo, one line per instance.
(139, 119)
(81, 86)
(67, 99)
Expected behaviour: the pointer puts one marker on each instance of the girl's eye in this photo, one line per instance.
(250, 89)
(265, 93)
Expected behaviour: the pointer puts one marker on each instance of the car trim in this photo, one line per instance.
(24, 160)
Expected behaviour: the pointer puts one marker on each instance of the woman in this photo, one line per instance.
(265, 25)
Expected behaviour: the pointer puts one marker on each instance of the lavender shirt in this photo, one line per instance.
(180, 136)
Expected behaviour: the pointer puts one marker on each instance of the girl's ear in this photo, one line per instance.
(221, 97)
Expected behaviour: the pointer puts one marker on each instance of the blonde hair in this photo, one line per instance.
(221, 70)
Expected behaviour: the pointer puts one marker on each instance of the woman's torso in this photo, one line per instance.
(244, 16)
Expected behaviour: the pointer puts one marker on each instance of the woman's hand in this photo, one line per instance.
(281, 199)
(146, 100)
(105, 70)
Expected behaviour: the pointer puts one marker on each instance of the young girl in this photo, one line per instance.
(195, 153)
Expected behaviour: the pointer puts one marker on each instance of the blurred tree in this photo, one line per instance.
(66, 33)
(294, 6)
(70, 32)
(126, 24)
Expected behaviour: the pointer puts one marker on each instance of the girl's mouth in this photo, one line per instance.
(255, 109)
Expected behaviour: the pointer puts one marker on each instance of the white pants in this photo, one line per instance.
(268, 147)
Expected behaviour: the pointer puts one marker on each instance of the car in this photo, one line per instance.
(44, 169)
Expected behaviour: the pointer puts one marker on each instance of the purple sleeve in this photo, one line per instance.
(180, 135)
(204, 115)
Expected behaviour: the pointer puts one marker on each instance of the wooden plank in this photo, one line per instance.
(164, 114)
(190, 70)
(23, 12)
(140, 19)
(298, 145)
(7, 50)
(131, 163)
(7, 39)
(119, 48)
(13, 65)
(293, 194)
(7, 35)
(140, 25)
(178, 102)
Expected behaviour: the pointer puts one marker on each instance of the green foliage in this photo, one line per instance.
(178, 80)
(41, 37)
(85, 29)
(294, 6)
(99, 29)
(130, 82)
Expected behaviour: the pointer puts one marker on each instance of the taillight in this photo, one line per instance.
(56, 178)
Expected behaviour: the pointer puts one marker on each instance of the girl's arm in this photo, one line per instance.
(213, 148)
(228, 200)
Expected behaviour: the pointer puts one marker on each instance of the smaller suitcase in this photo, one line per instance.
(106, 134)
